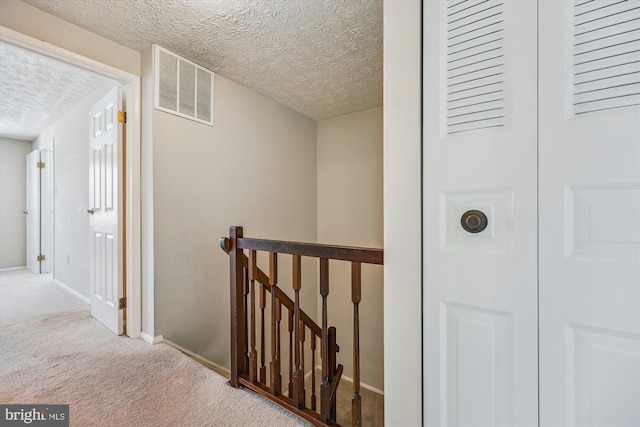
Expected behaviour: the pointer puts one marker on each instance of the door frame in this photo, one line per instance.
(136, 302)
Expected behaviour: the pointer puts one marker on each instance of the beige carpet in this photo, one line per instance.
(53, 352)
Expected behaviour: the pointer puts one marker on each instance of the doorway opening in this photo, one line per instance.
(131, 266)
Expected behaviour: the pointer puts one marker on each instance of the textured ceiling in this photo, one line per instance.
(36, 90)
(322, 58)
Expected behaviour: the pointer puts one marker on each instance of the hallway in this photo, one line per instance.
(53, 352)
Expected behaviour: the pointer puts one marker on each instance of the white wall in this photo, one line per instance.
(256, 167)
(13, 232)
(31, 21)
(146, 202)
(71, 192)
(350, 206)
(402, 213)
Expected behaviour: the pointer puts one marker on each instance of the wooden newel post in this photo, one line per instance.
(238, 326)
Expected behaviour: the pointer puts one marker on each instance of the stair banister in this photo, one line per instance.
(247, 280)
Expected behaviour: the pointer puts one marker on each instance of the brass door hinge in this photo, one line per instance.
(40, 165)
(123, 303)
(122, 117)
(41, 258)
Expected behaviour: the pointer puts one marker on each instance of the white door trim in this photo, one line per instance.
(136, 302)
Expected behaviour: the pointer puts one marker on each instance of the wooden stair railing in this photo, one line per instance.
(249, 366)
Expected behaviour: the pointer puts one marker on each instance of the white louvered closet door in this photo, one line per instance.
(532, 116)
(589, 139)
(480, 287)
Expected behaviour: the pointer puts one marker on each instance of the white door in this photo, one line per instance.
(46, 210)
(105, 209)
(33, 212)
(589, 213)
(480, 285)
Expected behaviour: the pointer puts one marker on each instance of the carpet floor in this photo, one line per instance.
(53, 352)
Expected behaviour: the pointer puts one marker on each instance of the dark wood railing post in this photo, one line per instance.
(276, 378)
(237, 316)
(298, 386)
(253, 355)
(290, 329)
(263, 305)
(356, 291)
(245, 310)
(332, 339)
(313, 371)
(303, 392)
(325, 404)
(278, 346)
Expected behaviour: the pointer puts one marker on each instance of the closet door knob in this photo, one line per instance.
(474, 221)
(90, 211)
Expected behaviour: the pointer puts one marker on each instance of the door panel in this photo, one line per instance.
(589, 213)
(480, 289)
(46, 210)
(479, 380)
(106, 187)
(33, 212)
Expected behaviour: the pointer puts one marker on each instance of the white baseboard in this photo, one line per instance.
(148, 338)
(206, 362)
(363, 385)
(72, 292)
(12, 268)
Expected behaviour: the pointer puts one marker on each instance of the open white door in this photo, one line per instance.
(106, 209)
(46, 210)
(33, 212)
(589, 213)
(480, 213)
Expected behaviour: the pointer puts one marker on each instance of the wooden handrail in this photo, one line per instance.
(249, 366)
(343, 253)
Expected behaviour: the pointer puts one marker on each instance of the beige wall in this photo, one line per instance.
(256, 167)
(33, 22)
(402, 210)
(350, 213)
(13, 182)
(71, 193)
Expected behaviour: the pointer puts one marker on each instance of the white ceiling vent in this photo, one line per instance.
(606, 54)
(182, 87)
(474, 65)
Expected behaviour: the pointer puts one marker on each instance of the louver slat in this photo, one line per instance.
(474, 65)
(606, 55)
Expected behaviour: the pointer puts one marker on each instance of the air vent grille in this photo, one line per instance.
(182, 87)
(474, 65)
(606, 54)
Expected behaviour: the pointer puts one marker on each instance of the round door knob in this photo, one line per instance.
(90, 211)
(474, 221)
